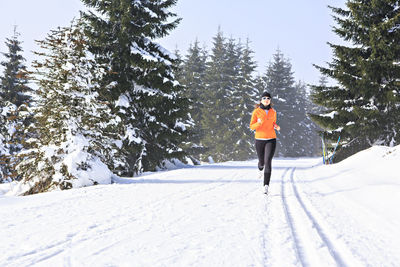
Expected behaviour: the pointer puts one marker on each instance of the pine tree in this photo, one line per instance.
(234, 137)
(363, 108)
(279, 76)
(314, 108)
(194, 69)
(310, 141)
(280, 83)
(291, 101)
(244, 99)
(72, 122)
(179, 63)
(14, 88)
(225, 91)
(145, 93)
(217, 109)
(193, 79)
(15, 100)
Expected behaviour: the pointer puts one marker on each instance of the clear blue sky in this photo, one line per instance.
(299, 28)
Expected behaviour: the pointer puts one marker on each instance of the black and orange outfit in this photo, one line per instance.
(262, 121)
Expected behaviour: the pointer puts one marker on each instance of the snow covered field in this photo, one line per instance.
(216, 215)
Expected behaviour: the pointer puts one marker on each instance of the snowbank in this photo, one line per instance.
(377, 165)
(359, 198)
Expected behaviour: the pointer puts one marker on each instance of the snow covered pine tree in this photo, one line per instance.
(145, 93)
(364, 107)
(221, 74)
(14, 108)
(72, 121)
(290, 101)
(243, 99)
(193, 69)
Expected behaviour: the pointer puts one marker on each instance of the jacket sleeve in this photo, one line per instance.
(253, 122)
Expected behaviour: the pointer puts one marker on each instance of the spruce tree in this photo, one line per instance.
(228, 100)
(314, 108)
(310, 141)
(217, 108)
(145, 93)
(14, 80)
(290, 102)
(234, 136)
(363, 107)
(279, 76)
(72, 122)
(193, 79)
(244, 98)
(179, 63)
(15, 96)
(280, 83)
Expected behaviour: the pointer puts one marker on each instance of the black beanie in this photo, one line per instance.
(266, 94)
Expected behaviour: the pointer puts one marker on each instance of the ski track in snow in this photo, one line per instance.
(290, 221)
(338, 251)
(211, 215)
(360, 229)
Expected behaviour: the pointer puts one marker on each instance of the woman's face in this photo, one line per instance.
(265, 100)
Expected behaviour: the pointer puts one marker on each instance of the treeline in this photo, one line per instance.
(224, 87)
(100, 110)
(107, 102)
(110, 101)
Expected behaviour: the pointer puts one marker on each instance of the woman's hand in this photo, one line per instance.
(259, 121)
(276, 126)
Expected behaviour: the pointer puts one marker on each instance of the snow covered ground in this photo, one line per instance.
(216, 215)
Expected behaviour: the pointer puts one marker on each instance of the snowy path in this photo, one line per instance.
(212, 215)
(315, 244)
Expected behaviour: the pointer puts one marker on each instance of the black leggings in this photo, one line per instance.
(265, 152)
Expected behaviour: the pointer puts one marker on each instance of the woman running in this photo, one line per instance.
(263, 121)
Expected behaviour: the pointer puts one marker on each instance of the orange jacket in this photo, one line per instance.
(263, 123)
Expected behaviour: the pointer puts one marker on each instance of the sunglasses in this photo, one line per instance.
(265, 98)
